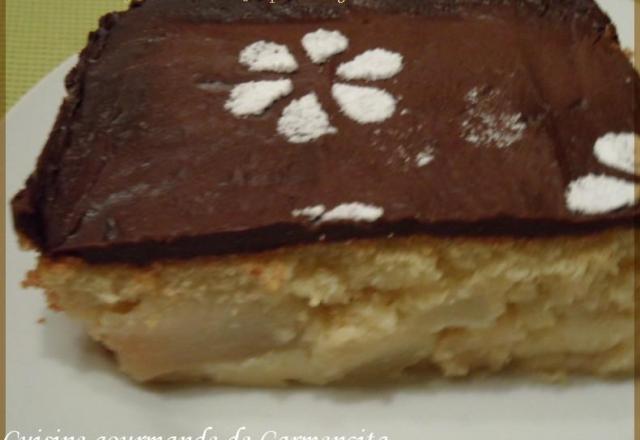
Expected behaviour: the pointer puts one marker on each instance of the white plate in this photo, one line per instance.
(59, 383)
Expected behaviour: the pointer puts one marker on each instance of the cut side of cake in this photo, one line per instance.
(363, 311)
(309, 192)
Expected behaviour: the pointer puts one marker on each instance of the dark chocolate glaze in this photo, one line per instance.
(144, 163)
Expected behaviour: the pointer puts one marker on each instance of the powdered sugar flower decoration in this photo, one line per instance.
(305, 120)
(253, 98)
(617, 150)
(264, 56)
(365, 105)
(597, 194)
(323, 44)
(372, 65)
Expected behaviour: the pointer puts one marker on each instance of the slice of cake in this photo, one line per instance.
(314, 192)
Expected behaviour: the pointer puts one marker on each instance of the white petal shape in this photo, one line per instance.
(372, 65)
(617, 150)
(265, 56)
(357, 212)
(365, 105)
(598, 194)
(253, 98)
(304, 120)
(323, 44)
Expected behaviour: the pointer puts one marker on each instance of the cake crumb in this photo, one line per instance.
(265, 56)
(372, 65)
(323, 44)
(598, 194)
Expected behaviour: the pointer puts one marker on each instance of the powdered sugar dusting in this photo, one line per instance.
(597, 194)
(365, 105)
(253, 98)
(312, 212)
(356, 212)
(372, 65)
(617, 150)
(473, 97)
(500, 130)
(485, 126)
(424, 158)
(304, 120)
(264, 56)
(323, 44)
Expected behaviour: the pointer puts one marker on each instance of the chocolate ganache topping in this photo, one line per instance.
(209, 127)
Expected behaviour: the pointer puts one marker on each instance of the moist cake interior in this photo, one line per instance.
(368, 312)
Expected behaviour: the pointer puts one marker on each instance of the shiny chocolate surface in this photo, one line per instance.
(145, 163)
